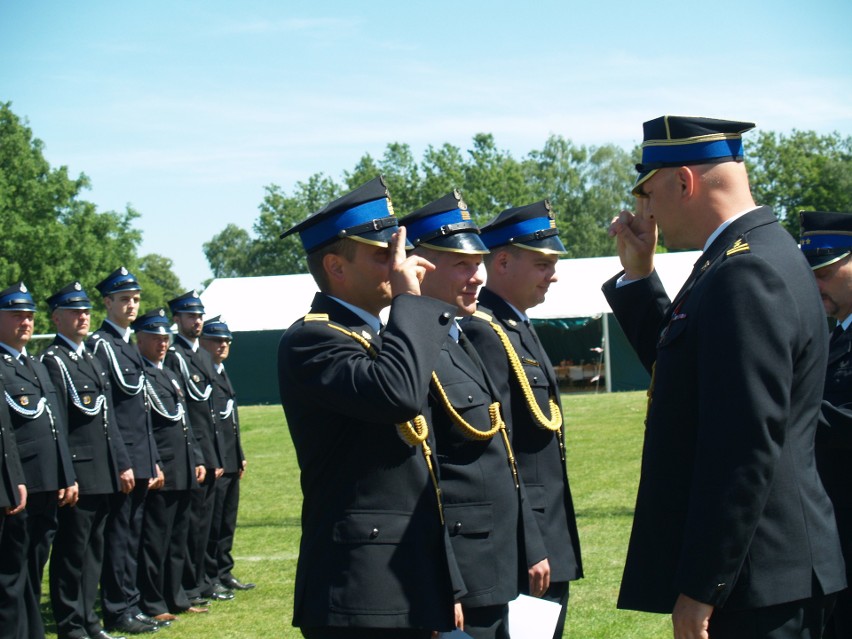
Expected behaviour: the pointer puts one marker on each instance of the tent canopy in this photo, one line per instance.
(274, 302)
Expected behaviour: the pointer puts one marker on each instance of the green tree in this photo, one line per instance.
(51, 236)
(801, 171)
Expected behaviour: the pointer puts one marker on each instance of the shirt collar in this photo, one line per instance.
(374, 322)
(455, 331)
(725, 225)
(845, 323)
(193, 345)
(124, 332)
(79, 350)
(154, 364)
(521, 316)
(14, 352)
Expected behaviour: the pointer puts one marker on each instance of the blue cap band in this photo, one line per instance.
(17, 301)
(811, 242)
(325, 230)
(503, 235)
(690, 152)
(427, 226)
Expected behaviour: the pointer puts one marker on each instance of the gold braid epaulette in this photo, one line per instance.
(412, 432)
(472, 433)
(554, 423)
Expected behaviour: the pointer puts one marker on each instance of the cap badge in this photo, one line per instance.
(23, 288)
(123, 271)
(162, 313)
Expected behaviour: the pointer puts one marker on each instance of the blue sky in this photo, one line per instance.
(186, 110)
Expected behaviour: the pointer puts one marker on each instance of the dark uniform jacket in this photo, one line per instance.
(834, 438)
(730, 509)
(493, 531)
(225, 409)
(40, 433)
(11, 473)
(195, 368)
(176, 443)
(539, 452)
(97, 449)
(373, 551)
(123, 364)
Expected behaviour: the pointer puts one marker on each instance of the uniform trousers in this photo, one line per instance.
(163, 552)
(119, 592)
(840, 622)
(556, 593)
(803, 619)
(487, 622)
(202, 500)
(40, 521)
(13, 575)
(219, 561)
(75, 566)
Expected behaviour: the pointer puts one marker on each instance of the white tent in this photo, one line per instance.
(274, 302)
(259, 309)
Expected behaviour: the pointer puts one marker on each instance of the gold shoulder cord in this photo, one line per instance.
(469, 432)
(412, 432)
(554, 424)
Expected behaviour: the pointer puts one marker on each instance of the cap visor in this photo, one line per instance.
(819, 261)
(468, 243)
(550, 245)
(381, 237)
(643, 177)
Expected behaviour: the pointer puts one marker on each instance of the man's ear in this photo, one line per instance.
(333, 265)
(687, 181)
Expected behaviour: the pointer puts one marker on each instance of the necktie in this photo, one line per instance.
(836, 333)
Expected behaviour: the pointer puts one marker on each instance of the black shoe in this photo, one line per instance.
(102, 634)
(199, 601)
(220, 593)
(235, 584)
(132, 626)
(150, 621)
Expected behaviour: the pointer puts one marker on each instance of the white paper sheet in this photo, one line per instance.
(532, 618)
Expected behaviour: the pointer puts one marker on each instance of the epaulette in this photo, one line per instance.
(483, 316)
(740, 246)
(316, 317)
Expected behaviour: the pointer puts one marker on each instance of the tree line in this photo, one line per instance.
(52, 235)
(587, 185)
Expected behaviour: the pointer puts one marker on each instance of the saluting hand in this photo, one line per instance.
(406, 271)
(636, 238)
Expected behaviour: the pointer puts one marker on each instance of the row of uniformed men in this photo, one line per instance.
(121, 462)
(432, 453)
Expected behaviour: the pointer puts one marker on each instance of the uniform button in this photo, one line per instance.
(470, 399)
(721, 587)
(457, 527)
(374, 533)
(445, 318)
(535, 379)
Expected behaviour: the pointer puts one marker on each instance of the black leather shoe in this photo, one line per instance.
(220, 593)
(102, 634)
(142, 617)
(132, 626)
(235, 584)
(199, 601)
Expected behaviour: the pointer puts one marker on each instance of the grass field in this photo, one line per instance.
(604, 438)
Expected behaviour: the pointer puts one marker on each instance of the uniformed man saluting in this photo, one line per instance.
(100, 462)
(493, 532)
(373, 559)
